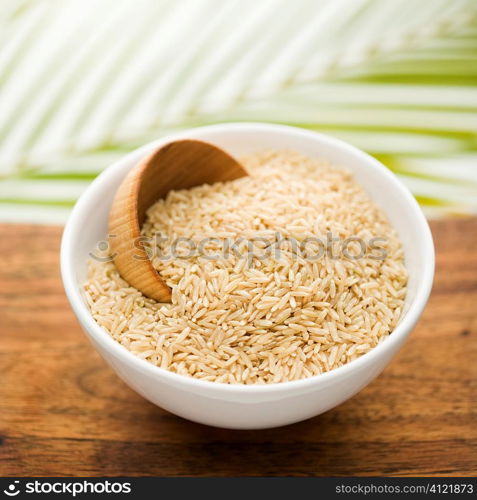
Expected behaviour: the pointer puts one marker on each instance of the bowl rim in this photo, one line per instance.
(103, 338)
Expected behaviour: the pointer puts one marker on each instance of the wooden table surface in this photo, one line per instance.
(64, 412)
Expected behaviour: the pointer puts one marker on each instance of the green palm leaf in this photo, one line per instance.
(83, 82)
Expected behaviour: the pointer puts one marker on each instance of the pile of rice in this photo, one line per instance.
(255, 320)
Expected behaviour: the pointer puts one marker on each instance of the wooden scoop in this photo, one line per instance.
(177, 165)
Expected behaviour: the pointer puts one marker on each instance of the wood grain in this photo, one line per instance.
(63, 411)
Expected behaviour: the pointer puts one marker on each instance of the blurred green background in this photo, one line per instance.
(83, 81)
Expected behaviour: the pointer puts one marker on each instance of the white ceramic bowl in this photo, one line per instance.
(242, 406)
